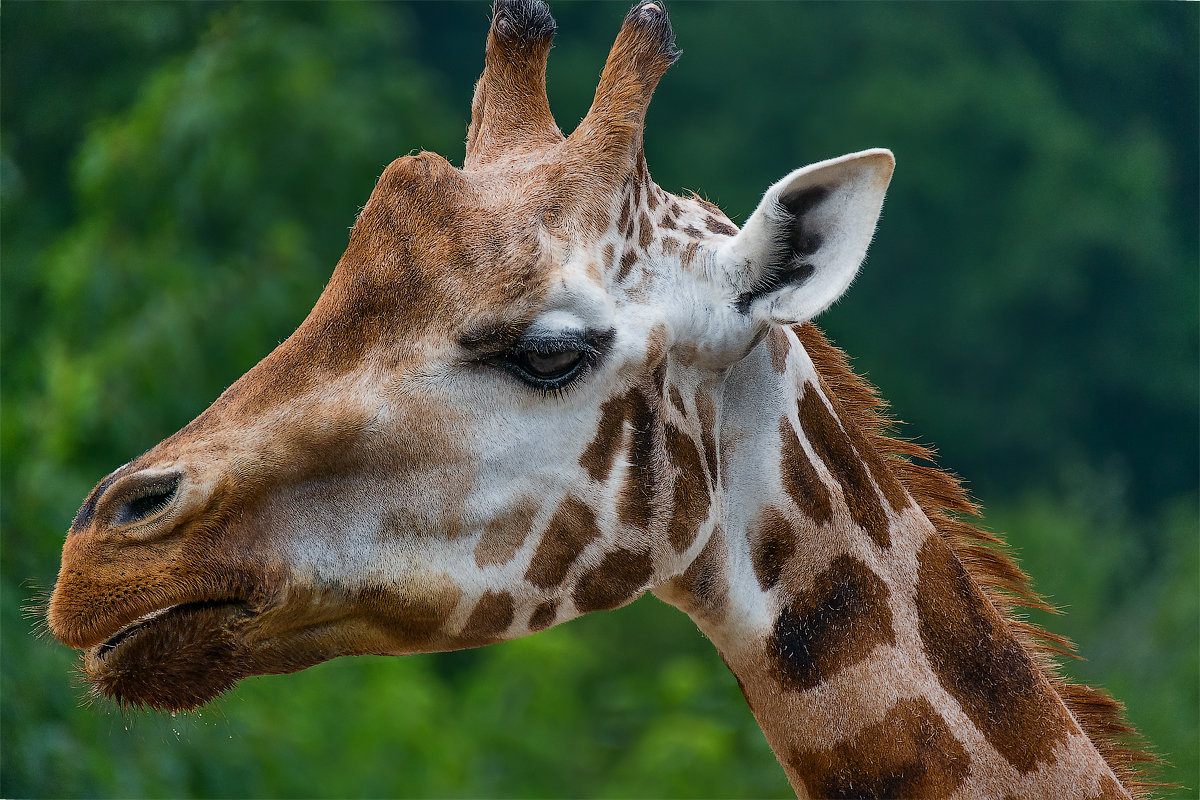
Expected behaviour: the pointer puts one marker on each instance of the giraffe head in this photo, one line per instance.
(500, 414)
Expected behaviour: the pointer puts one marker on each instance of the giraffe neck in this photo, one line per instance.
(871, 659)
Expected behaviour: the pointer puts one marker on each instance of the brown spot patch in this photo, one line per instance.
(717, 226)
(708, 424)
(689, 506)
(543, 616)
(693, 232)
(505, 534)
(909, 753)
(636, 504)
(1108, 789)
(609, 254)
(772, 543)
(689, 253)
(614, 582)
(667, 222)
(884, 478)
(627, 259)
(670, 245)
(704, 584)
(778, 346)
(645, 231)
(706, 205)
(571, 528)
(597, 459)
(624, 220)
(490, 618)
(830, 625)
(982, 665)
(677, 401)
(800, 478)
(659, 375)
(656, 349)
(833, 446)
(413, 619)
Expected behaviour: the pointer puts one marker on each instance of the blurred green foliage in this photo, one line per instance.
(178, 180)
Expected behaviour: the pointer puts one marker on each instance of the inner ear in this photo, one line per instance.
(805, 239)
(790, 263)
(802, 246)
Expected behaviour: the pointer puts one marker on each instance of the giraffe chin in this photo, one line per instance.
(173, 660)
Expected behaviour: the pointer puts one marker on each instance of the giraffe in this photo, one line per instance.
(539, 386)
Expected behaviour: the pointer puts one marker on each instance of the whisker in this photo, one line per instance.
(37, 608)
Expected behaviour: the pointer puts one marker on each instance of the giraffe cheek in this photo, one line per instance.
(503, 535)
(599, 455)
(638, 492)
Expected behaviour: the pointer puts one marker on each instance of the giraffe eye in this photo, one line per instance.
(548, 371)
(552, 362)
(549, 366)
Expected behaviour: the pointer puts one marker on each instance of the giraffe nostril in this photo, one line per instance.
(146, 500)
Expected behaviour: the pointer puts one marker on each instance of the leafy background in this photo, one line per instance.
(178, 180)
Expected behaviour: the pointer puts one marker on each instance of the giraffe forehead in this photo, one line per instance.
(434, 246)
(437, 248)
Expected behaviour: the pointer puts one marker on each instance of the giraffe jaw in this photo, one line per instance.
(185, 654)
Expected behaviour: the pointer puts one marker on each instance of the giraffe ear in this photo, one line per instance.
(803, 245)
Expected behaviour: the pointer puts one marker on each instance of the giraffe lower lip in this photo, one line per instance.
(142, 623)
(112, 642)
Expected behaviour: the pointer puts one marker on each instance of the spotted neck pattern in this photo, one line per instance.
(872, 659)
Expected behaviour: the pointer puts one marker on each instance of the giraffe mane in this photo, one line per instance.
(986, 557)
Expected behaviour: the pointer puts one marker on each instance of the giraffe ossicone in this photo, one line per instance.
(539, 386)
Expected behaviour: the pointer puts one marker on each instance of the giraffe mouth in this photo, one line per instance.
(181, 656)
(145, 621)
(174, 658)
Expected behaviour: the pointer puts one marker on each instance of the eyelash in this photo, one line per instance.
(545, 347)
